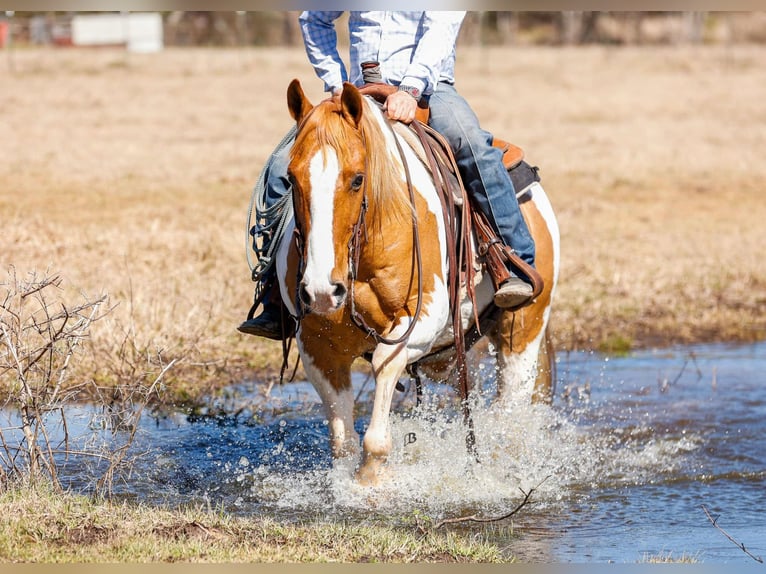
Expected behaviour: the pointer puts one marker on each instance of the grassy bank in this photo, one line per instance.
(38, 526)
(130, 175)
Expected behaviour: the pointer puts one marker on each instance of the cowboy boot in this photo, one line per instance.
(268, 324)
(513, 292)
(271, 323)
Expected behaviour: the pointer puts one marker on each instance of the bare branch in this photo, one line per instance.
(739, 545)
(85, 324)
(55, 281)
(484, 519)
(119, 455)
(40, 338)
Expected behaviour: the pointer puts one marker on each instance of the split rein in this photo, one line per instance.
(354, 253)
(358, 234)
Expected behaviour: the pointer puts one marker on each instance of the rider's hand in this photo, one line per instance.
(401, 106)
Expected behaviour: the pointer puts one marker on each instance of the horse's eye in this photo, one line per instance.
(357, 182)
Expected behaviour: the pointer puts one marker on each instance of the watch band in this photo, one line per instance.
(411, 90)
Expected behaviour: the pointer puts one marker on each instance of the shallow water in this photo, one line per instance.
(619, 465)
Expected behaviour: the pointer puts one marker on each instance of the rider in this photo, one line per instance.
(416, 52)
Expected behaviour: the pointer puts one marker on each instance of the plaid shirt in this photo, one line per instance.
(414, 48)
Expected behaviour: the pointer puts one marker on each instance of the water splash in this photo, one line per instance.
(521, 447)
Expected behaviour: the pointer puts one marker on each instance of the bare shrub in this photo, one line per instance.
(39, 340)
(40, 336)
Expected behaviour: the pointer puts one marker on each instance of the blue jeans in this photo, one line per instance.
(481, 167)
(277, 183)
(277, 186)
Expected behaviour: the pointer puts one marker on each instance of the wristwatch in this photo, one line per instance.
(411, 90)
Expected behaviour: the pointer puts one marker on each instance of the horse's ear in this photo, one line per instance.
(297, 101)
(351, 103)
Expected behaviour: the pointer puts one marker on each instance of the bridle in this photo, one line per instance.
(355, 242)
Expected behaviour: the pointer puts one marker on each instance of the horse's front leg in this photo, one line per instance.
(388, 364)
(331, 378)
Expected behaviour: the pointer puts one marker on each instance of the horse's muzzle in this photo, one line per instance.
(323, 301)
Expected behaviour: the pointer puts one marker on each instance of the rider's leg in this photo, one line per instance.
(486, 179)
(269, 323)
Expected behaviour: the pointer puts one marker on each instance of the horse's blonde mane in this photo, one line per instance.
(389, 197)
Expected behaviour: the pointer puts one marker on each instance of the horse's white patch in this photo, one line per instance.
(518, 371)
(320, 257)
(433, 321)
(543, 204)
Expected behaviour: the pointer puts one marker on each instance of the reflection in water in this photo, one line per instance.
(619, 465)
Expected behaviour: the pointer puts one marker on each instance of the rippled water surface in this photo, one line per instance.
(620, 465)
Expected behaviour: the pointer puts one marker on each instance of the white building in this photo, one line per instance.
(137, 31)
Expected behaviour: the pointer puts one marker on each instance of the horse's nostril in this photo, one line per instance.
(340, 291)
(304, 295)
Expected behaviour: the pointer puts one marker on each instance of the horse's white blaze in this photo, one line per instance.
(320, 256)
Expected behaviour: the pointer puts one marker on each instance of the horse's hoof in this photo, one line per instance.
(370, 473)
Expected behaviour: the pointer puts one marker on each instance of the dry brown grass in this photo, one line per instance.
(39, 526)
(131, 174)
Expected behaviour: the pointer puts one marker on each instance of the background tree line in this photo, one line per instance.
(268, 28)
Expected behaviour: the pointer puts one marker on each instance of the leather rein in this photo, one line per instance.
(456, 255)
(354, 254)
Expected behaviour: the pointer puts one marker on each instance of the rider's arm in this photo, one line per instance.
(440, 31)
(321, 42)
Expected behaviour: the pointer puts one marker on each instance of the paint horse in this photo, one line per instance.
(348, 178)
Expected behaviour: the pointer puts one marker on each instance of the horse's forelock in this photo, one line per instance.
(319, 131)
